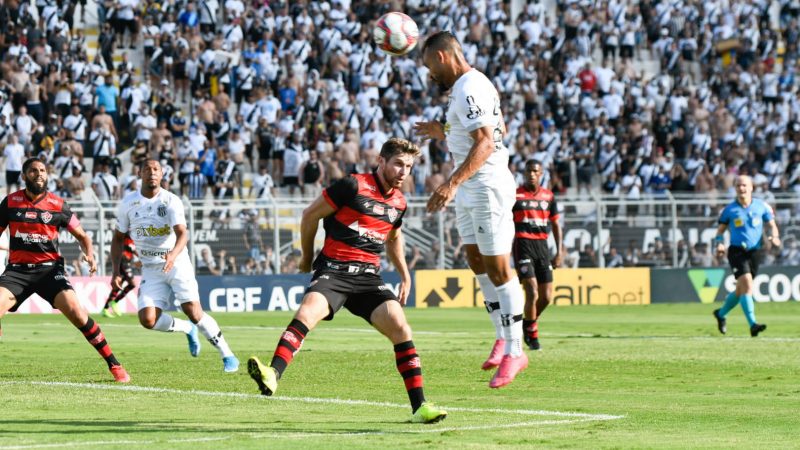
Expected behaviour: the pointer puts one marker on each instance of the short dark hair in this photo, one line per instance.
(144, 163)
(27, 164)
(395, 146)
(531, 163)
(441, 40)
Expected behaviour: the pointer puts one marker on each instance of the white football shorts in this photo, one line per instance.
(160, 289)
(484, 216)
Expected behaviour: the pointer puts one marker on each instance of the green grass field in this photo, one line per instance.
(607, 377)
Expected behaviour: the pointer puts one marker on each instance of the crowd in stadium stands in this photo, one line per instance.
(285, 97)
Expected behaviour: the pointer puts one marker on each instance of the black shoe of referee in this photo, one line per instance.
(757, 328)
(721, 322)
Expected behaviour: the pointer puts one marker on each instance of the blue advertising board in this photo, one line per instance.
(245, 293)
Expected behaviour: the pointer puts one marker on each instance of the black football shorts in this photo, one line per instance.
(360, 293)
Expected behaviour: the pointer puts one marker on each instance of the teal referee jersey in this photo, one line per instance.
(746, 225)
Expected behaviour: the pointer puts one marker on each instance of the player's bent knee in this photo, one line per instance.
(313, 309)
(148, 319)
(193, 310)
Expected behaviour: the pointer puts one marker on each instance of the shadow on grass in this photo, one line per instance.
(121, 428)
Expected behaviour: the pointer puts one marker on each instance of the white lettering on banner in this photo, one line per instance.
(205, 236)
(236, 299)
(286, 301)
(580, 237)
(770, 288)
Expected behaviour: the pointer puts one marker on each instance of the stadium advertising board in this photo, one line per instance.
(629, 286)
(241, 293)
(447, 289)
(93, 292)
(709, 285)
(458, 288)
(641, 237)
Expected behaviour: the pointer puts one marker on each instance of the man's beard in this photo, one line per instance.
(34, 188)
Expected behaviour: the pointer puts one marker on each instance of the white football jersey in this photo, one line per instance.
(149, 222)
(473, 104)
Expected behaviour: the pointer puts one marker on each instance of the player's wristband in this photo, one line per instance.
(718, 239)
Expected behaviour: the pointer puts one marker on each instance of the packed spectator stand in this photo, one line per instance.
(268, 100)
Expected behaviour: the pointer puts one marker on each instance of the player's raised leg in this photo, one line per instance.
(512, 301)
(490, 300)
(154, 296)
(389, 319)
(156, 319)
(209, 328)
(313, 309)
(67, 302)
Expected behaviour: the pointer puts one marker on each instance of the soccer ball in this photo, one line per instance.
(395, 33)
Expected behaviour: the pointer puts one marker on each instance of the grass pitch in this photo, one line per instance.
(655, 376)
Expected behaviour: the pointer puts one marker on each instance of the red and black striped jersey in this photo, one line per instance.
(33, 226)
(533, 213)
(364, 217)
(128, 248)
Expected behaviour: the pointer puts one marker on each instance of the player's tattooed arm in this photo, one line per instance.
(309, 224)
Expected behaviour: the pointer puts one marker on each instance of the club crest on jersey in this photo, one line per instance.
(392, 213)
(46, 217)
(378, 209)
(30, 215)
(544, 204)
(162, 210)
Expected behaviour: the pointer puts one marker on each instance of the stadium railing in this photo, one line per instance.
(669, 230)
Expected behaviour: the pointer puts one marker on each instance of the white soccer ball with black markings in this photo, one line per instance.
(395, 33)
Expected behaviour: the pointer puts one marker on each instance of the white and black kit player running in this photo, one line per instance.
(154, 218)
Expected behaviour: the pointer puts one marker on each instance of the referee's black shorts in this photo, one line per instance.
(361, 294)
(23, 280)
(744, 261)
(532, 259)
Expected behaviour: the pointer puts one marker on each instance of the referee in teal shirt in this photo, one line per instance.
(745, 218)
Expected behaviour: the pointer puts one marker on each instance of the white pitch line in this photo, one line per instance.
(569, 417)
(301, 435)
(333, 401)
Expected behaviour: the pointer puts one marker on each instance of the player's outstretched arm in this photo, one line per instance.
(117, 242)
(86, 245)
(309, 223)
(482, 148)
(395, 251)
(720, 244)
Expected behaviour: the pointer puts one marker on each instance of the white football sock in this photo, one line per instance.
(209, 328)
(170, 324)
(492, 303)
(512, 302)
